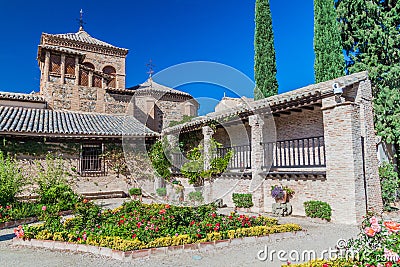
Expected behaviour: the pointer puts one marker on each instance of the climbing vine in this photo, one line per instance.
(194, 168)
(159, 160)
(36, 147)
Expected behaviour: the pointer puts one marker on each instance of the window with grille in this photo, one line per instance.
(91, 161)
(70, 65)
(83, 77)
(55, 64)
(96, 81)
(112, 72)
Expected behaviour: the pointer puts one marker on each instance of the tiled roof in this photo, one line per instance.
(152, 86)
(84, 37)
(45, 122)
(314, 90)
(22, 97)
(61, 49)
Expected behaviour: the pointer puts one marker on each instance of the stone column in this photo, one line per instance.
(256, 123)
(76, 70)
(90, 78)
(344, 190)
(373, 186)
(46, 66)
(207, 133)
(62, 79)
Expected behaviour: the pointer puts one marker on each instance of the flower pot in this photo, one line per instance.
(284, 199)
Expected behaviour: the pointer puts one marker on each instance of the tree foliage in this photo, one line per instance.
(329, 60)
(371, 39)
(264, 59)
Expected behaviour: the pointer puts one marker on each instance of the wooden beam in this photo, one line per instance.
(296, 110)
(317, 104)
(285, 112)
(307, 107)
(276, 115)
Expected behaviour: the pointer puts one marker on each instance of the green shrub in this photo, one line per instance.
(318, 209)
(196, 196)
(53, 187)
(159, 160)
(162, 191)
(11, 180)
(389, 183)
(135, 191)
(242, 200)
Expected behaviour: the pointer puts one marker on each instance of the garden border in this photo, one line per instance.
(15, 223)
(127, 256)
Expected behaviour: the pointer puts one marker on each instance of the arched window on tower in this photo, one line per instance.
(84, 74)
(112, 72)
(55, 64)
(70, 65)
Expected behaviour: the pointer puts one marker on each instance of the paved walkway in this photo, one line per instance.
(319, 237)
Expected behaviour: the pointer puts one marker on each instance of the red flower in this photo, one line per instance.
(192, 222)
(85, 200)
(167, 206)
(392, 226)
(230, 217)
(388, 264)
(134, 236)
(325, 265)
(198, 235)
(162, 211)
(213, 215)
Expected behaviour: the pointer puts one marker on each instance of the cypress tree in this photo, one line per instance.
(370, 37)
(329, 59)
(264, 58)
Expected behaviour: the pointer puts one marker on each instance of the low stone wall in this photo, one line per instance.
(207, 247)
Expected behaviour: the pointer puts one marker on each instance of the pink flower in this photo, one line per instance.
(373, 220)
(19, 232)
(44, 208)
(370, 232)
(376, 227)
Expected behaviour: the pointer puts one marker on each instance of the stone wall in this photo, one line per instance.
(307, 123)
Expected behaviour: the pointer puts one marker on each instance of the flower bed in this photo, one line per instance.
(26, 210)
(136, 226)
(377, 245)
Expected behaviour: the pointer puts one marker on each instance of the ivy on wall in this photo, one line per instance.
(194, 168)
(36, 148)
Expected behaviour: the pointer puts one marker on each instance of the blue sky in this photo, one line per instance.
(169, 32)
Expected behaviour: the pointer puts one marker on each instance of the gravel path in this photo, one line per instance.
(319, 237)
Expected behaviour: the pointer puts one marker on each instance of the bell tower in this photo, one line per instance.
(77, 70)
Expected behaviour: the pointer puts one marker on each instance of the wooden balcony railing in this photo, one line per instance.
(295, 153)
(241, 159)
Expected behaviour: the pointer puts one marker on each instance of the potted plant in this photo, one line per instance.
(289, 192)
(136, 193)
(279, 194)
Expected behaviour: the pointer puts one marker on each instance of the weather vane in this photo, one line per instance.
(81, 22)
(150, 65)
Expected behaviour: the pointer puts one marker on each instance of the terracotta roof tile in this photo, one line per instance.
(69, 123)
